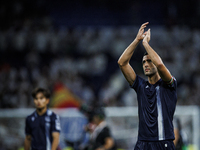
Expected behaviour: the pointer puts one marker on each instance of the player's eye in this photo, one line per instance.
(149, 60)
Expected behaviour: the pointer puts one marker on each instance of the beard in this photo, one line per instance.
(151, 73)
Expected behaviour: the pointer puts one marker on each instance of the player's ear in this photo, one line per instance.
(48, 100)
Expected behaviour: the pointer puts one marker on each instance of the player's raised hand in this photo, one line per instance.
(141, 34)
(147, 36)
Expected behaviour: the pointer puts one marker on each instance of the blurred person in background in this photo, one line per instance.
(180, 141)
(157, 97)
(100, 134)
(42, 126)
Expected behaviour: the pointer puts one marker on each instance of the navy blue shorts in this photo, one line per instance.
(157, 145)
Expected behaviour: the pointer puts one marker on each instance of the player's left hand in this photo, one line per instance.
(141, 34)
(147, 36)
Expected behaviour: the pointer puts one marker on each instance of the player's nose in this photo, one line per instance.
(146, 64)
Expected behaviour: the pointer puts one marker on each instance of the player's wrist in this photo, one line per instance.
(145, 43)
(137, 39)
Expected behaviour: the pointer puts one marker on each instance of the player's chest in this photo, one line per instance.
(40, 122)
(150, 91)
(149, 95)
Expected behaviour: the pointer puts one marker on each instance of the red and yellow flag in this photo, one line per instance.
(62, 97)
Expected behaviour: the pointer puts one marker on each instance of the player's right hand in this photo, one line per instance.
(141, 34)
(147, 37)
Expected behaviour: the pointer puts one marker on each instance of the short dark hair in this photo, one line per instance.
(145, 53)
(45, 92)
(99, 112)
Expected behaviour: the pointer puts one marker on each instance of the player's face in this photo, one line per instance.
(148, 66)
(41, 101)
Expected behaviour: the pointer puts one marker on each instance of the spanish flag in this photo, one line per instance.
(63, 98)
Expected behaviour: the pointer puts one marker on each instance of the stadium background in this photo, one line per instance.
(74, 45)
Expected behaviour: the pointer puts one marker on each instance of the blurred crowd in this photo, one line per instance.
(85, 60)
(34, 52)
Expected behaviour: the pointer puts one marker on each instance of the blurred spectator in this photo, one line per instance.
(181, 139)
(100, 134)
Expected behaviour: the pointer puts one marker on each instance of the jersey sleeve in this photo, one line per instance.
(55, 123)
(27, 127)
(138, 81)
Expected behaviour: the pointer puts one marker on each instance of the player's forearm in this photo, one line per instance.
(155, 58)
(176, 133)
(55, 143)
(127, 54)
(27, 144)
(109, 143)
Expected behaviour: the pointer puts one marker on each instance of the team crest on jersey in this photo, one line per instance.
(33, 118)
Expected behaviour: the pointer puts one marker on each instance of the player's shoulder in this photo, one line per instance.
(139, 80)
(51, 114)
(31, 115)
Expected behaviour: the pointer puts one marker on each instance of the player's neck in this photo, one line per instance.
(100, 122)
(153, 79)
(41, 111)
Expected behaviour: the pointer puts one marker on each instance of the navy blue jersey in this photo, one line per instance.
(156, 106)
(40, 128)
